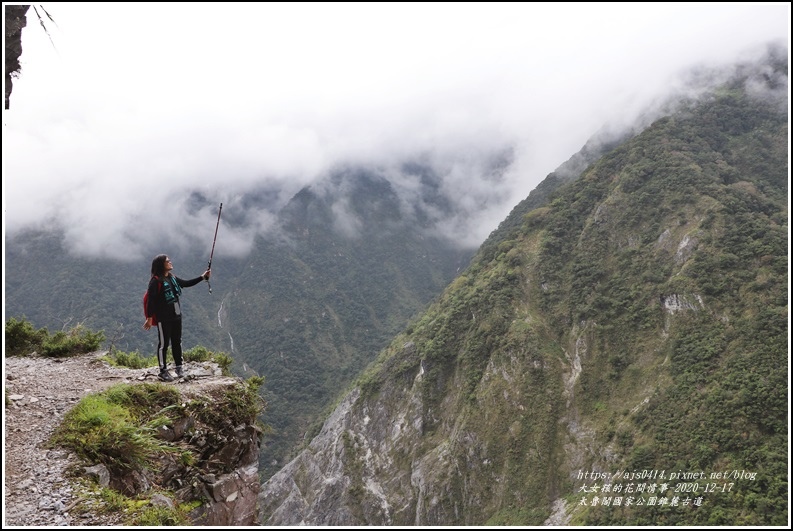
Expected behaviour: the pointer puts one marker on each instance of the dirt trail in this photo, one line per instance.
(38, 391)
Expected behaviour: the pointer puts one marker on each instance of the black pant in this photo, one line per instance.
(169, 333)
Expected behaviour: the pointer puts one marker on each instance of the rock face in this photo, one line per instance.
(321, 470)
(15, 20)
(230, 498)
(420, 451)
(225, 476)
(40, 488)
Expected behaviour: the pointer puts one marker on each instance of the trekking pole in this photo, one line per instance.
(209, 265)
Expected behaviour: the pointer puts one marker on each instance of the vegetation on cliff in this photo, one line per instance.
(632, 325)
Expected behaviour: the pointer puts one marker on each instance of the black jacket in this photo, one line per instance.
(158, 306)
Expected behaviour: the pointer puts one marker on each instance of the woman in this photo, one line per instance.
(163, 305)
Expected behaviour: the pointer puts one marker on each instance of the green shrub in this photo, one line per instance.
(224, 362)
(78, 340)
(21, 338)
(145, 400)
(161, 516)
(119, 423)
(238, 404)
(101, 430)
(199, 354)
(133, 360)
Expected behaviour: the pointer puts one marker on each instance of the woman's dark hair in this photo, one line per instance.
(158, 265)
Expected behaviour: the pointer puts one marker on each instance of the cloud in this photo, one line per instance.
(114, 130)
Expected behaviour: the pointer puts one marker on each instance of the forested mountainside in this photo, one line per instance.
(308, 308)
(617, 356)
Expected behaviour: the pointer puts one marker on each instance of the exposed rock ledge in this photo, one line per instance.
(38, 492)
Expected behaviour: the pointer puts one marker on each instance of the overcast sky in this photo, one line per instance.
(123, 108)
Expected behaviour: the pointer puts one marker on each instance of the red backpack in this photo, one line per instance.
(146, 305)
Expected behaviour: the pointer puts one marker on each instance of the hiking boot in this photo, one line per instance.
(179, 371)
(165, 376)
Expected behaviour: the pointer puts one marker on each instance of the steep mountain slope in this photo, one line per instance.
(617, 357)
(313, 307)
